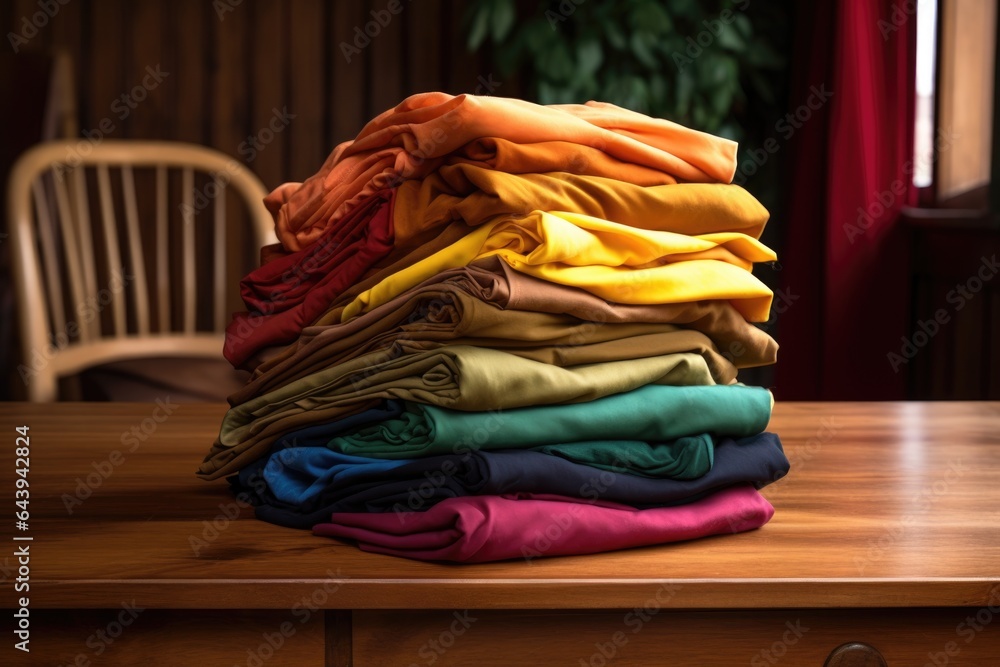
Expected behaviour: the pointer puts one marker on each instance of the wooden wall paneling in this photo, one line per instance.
(105, 77)
(188, 39)
(27, 8)
(269, 89)
(347, 106)
(916, 373)
(151, 76)
(67, 36)
(940, 352)
(931, 372)
(423, 47)
(959, 361)
(149, 55)
(189, 31)
(230, 47)
(8, 20)
(967, 324)
(388, 55)
(105, 80)
(307, 86)
(242, 252)
(465, 67)
(231, 77)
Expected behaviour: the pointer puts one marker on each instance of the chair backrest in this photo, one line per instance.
(85, 295)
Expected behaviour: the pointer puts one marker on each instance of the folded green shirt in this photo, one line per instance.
(689, 457)
(626, 422)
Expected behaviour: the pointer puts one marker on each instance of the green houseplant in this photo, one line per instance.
(716, 66)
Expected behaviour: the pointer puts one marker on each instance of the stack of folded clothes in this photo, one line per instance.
(496, 330)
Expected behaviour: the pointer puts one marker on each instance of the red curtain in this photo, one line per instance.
(845, 256)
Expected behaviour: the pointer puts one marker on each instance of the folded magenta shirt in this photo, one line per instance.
(479, 529)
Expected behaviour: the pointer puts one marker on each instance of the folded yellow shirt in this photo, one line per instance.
(616, 262)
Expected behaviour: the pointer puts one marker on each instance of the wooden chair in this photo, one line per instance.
(73, 313)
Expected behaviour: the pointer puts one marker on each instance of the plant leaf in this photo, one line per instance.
(743, 25)
(503, 19)
(555, 62)
(616, 37)
(589, 56)
(480, 24)
(729, 38)
(642, 51)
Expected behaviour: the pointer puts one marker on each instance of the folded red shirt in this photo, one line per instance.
(292, 291)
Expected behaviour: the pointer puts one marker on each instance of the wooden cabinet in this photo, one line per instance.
(884, 549)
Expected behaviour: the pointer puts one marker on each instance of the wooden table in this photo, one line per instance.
(886, 532)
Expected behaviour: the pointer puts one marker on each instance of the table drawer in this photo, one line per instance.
(796, 637)
(171, 638)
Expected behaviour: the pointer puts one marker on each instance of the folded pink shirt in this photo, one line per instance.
(478, 529)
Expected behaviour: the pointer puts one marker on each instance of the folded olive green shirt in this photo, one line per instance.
(451, 316)
(457, 376)
(653, 413)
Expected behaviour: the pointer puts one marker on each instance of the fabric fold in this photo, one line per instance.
(455, 318)
(615, 262)
(304, 486)
(456, 376)
(478, 529)
(439, 309)
(651, 413)
(414, 138)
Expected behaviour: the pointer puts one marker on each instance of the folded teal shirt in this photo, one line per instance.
(650, 414)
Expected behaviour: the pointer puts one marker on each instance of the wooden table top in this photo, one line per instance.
(886, 505)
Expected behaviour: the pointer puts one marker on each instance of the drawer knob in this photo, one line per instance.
(855, 654)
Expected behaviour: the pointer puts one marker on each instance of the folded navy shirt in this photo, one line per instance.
(305, 485)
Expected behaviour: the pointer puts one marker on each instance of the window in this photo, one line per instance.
(963, 84)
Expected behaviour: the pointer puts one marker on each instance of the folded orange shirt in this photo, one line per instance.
(414, 138)
(476, 195)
